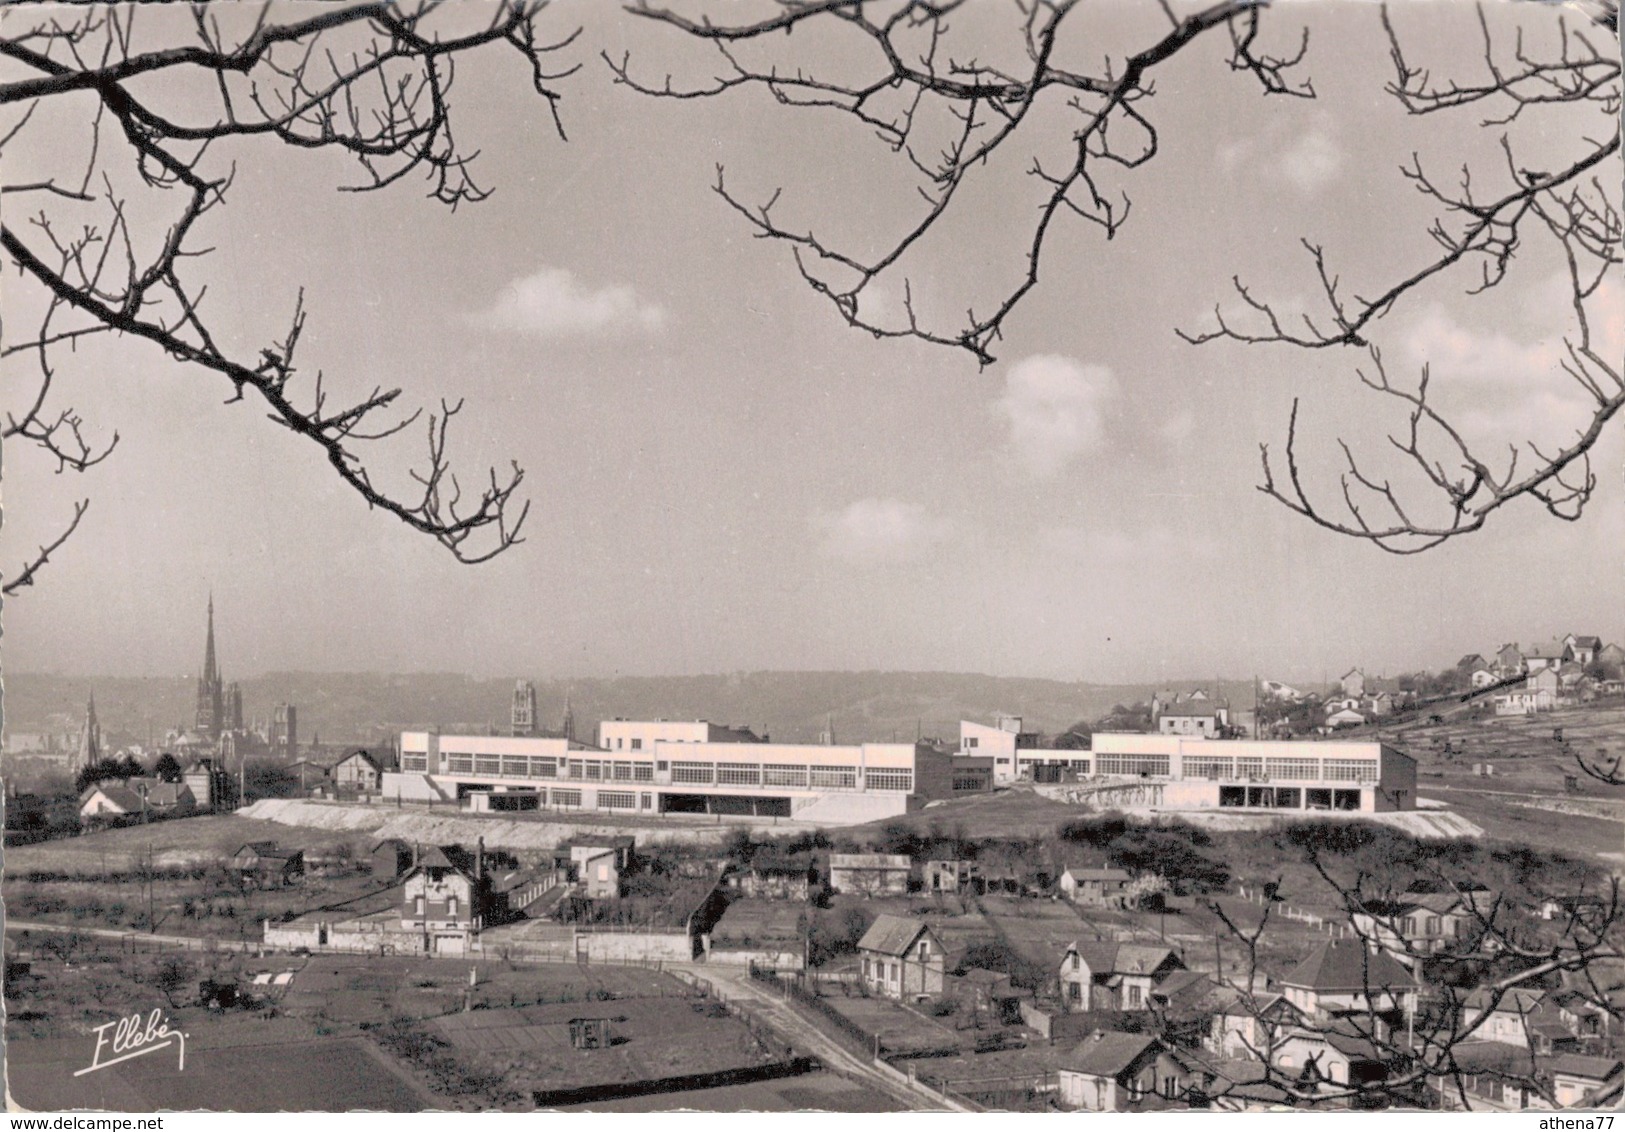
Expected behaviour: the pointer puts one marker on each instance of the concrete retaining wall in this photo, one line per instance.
(763, 958)
(617, 947)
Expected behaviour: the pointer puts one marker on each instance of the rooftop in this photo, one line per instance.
(891, 935)
(1345, 965)
(1106, 1053)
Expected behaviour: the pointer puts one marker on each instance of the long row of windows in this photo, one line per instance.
(1244, 767)
(799, 776)
(1134, 765)
(538, 766)
(1292, 768)
(1351, 770)
(783, 774)
(902, 780)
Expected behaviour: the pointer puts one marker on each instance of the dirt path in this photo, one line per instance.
(785, 1017)
(190, 942)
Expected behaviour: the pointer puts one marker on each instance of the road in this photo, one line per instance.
(785, 1017)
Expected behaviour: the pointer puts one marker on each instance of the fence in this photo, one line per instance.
(1022, 1092)
(766, 1035)
(912, 1082)
(854, 1038)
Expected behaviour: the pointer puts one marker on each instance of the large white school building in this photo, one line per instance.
(1194, 773)
(661, 767)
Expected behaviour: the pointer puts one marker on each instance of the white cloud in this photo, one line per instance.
(1309, 162)
(553, 303)
(1456, 353)
(1312, 162)
(1178, 428)
(1055, 407)
(881, 530)
(1501, 390)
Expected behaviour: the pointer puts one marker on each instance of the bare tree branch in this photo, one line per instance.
(930, 100)
(370, 80)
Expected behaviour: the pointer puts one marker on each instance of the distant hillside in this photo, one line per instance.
(790, 706)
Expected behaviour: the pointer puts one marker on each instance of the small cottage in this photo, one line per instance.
(902, 958)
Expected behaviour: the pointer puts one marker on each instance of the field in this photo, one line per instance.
(311, 1074)
(183, 842)
(1527, 791)
(349, 1032)
(1002, 814)
(651, 1038)
(900, 1029)
(1525, 756)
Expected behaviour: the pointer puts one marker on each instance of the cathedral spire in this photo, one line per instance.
(211, 693)
(90, 739)
(211, 670)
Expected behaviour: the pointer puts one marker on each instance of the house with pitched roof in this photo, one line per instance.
(1353, 683)
(1343, 977)
(264, 865)
(1341, 1053)
(1509, 659)
(598, 863)
(438, 894)
(1115, 1072)
(1251, 1026)
(1552, 654)
(109, 801)
(1612, 659)
(1191, 716)
(870, 874)
(1528, 1018)
(1583, 649)
(1423, 923)
(358, 770)
(1489, 1077)
(902, 958)
(1113, 976)
(1095, 887)
(1579, 1081)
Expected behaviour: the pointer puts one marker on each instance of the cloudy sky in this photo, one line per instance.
(723, 476)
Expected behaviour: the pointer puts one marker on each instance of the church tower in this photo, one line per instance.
(211, 696)
(523, 719)
(234, 707)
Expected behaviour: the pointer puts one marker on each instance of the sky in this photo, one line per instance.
(724, 477)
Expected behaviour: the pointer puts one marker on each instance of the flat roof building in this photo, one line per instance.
(1190, 773)
(1000, 743)
(681, 775)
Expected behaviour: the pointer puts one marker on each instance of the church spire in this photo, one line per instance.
(211, 670)
(90, 739)
(211, 693)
